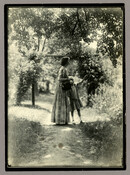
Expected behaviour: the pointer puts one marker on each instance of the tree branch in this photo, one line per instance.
(74, 27)
(38, 43)
(85, 15)
(79, 21)
(44, 44)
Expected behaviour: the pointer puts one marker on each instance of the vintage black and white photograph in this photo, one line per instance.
(65, 67)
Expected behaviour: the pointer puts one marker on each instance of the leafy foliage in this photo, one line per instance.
(78, 28)
(105, 140)
(67, 31)
(109, 98)
(23, 138)
(29, 74)
(31, 27)
(104, 25)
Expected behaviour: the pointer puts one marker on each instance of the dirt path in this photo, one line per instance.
(65, 145)
(57, 145)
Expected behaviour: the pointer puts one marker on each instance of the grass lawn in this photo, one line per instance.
(29, 136)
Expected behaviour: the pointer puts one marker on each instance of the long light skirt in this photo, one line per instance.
(61, 107)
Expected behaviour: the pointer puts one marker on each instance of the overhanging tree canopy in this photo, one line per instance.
(59, 31)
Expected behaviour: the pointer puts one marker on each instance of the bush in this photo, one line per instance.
(108, 98)
(106, 140)
(23, 138)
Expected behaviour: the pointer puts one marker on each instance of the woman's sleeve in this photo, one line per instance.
(63, 75)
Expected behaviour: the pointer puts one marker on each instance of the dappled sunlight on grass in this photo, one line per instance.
(105, 140)
(90, 115)
(32, 114)
(39, 105)
(23, 140)
(67, 129)
(42, 111)
(87, 162)
(95, 142)
(47, 156)
(45, 98)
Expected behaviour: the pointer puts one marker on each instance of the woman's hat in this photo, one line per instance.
(64, 61)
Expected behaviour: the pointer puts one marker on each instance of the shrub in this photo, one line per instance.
(106, 140)
(23, 138)
(28, 74)
(109, 97)
(108, 100)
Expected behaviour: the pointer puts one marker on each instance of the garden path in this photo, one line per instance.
(58, 145)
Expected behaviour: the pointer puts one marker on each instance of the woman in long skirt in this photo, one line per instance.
(61, 106)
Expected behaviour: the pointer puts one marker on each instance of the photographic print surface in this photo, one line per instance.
(65, 69)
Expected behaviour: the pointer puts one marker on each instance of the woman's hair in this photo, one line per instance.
(65, 61)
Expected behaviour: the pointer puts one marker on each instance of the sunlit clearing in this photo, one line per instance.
(88, 162)
(67, 129)
(78, 141)
(47, 156)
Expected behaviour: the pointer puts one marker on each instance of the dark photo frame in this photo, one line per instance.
(22, 132)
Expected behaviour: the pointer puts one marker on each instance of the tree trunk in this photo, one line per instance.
(44, 44)
(33, 93)
(79, 23)
(47, 86)
(36, 89)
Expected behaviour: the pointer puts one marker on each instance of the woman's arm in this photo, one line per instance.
(63, 76)
(82, 80)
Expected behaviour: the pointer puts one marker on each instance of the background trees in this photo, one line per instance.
(91, 37)
(80, 27)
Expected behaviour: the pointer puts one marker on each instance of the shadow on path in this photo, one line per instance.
(33, 107)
